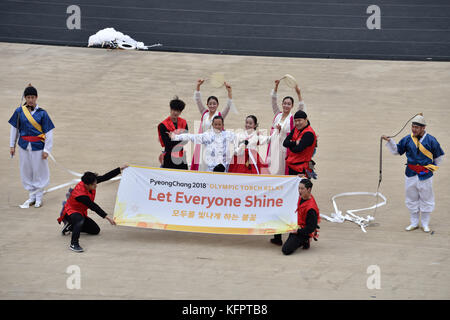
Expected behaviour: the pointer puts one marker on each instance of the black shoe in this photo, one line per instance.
(277, 241)
(67, 228)
(76, 248)
(306, 244)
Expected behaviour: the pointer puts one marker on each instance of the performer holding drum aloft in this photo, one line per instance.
(207, 115)
(282, 125)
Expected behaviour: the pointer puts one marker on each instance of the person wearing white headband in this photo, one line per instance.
(424, 155)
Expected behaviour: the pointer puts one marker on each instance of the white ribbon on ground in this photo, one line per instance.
(337, 216)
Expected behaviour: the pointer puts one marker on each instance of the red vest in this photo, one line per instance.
(171, 127)
(302, 212)
(299, 161)
(73, 205)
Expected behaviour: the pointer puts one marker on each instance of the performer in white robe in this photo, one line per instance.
(246, 157)
(282, 125)
(207, 114)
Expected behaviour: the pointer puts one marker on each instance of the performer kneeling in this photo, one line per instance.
(308, 220)
(82, 197)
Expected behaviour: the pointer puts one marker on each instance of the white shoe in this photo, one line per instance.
(38, 204)
(426, 229)
(27, 204)
(411, 227)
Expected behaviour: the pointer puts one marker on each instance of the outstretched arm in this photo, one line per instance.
(391, 145)
(200, 138)
(94, 207)
(111, 174)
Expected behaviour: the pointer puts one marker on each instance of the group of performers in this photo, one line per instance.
(292, 144)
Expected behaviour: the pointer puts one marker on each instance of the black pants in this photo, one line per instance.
(294, 242)
(168, 163)
(219, 168)
(81, 224)
(294, 173)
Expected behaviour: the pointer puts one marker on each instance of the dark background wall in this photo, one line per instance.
(410, 30)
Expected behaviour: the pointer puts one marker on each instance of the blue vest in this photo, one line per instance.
(415, 156)
(26, 128)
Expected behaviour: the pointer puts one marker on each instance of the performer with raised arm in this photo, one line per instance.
(74, 213)
(216, 142)
(207, 114)
(173, 155)
(282, 125)
(246, 158)
(424, 155)
(34, 129)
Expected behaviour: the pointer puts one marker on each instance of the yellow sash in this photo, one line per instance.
(427, 153)
(34, 123)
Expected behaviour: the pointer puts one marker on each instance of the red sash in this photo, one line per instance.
(418, 168)
(31, 138)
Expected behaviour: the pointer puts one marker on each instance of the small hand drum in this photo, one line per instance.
(217, 79)
(289, 80)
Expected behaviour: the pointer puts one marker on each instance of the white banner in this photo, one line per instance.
(208, 202)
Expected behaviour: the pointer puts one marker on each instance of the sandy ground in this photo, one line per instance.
(106, 106)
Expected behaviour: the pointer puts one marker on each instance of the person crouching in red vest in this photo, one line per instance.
(308, 220)
(301, 144)
(173, 155)
(81, 199)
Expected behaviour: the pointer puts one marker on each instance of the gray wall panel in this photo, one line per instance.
(410, 30)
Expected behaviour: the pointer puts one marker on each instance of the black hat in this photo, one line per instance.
(30, 91)
(300, 115)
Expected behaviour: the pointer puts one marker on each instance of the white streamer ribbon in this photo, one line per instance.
(350, 216)
(71, 182)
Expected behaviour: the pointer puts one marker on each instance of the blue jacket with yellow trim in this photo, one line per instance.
(415, 156)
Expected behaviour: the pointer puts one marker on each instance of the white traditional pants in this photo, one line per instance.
(419, 199)
(34, 172)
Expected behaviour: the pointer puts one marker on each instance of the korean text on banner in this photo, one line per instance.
(206, 202)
